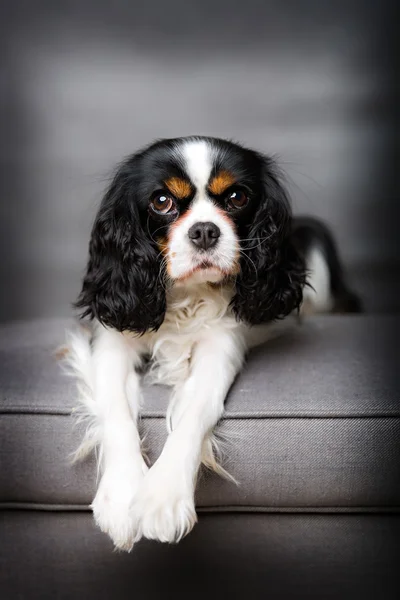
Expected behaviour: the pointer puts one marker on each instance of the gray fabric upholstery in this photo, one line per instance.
(312, 423)
(330, 366)
(243, 556)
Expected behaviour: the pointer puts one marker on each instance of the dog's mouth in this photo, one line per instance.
(202, 272)
(205, 264)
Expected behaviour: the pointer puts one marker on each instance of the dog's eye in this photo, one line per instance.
(162, 203)
(237, 199)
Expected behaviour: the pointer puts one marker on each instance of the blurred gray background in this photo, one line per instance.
(85, 83)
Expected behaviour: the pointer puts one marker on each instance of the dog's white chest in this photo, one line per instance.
(187, 320)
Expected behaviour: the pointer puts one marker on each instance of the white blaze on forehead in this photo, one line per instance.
(203, 209)
(183, 257)
(197, 156)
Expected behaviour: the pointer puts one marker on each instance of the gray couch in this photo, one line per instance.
(312, 428)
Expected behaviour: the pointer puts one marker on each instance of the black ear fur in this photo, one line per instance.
(272, 276)
(123, 287)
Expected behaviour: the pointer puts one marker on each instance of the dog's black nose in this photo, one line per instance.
(204, 235)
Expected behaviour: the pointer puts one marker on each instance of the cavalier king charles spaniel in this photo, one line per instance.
(194, 255)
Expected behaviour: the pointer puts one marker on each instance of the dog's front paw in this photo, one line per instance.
(164, 507)
(112, 507)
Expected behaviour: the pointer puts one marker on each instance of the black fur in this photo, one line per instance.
(272, 274)
(308, 232)
(123, 287)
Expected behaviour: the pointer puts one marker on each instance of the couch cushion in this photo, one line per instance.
(312, 424)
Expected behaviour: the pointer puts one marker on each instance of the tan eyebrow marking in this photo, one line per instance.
(221, 182)
(180, 188)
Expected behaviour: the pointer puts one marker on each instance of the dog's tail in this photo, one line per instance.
(327, 289)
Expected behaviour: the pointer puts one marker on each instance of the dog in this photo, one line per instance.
(194, 258)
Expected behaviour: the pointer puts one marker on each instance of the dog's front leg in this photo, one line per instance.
(165, 504)
(123, 468)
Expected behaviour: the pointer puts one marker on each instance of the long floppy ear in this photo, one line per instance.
(272, 273)
(123, 287)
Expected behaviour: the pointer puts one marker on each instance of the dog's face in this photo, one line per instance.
(201, 195)
(191, 211)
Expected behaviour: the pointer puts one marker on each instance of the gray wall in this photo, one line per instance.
(309, 81)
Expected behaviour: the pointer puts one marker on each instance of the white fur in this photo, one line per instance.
(317, 296)
(198, 162)
(105, 378)
(78, 363)
(165, 503)
(191, 313)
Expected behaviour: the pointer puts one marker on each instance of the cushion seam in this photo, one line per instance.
(26, 410)
(36, 506)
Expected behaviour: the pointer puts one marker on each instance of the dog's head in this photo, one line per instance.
(191, 211)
